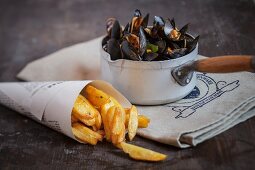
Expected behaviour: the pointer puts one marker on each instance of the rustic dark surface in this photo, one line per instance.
(30, 29)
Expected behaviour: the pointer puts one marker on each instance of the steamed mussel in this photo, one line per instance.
(140, 42)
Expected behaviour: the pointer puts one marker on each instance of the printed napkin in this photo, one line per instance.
(217, 103)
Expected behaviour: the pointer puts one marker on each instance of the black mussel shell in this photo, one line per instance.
(142, 42)
(109, 25)
(113, 48)
(172, 22)
(177, 53)
(184, 29)
(116, 30)
(137, 13)
(192, 45)
(150, 56)
(161, 45)
(158, 21)
(145, 21)
(126, 29)
(129, 51)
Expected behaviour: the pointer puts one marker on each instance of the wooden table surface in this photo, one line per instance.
(30, 29)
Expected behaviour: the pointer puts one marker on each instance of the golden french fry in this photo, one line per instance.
(101, 132)
(104, 110)
(109, 116)
(97, 97)
(132, 122)
(143, 121)
(117, 122)
(140, 153)
(98, 121)
(116, 103)
(84, 111)
(83, 136)
(87, 132)
(121, 136)
(74, 119)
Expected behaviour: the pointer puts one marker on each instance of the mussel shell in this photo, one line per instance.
(150, 56)
(137, 13)
(177, 53)
(133, 40)
(161, 45)
(129, 51)
(135, 24)
(126, 29)
(168, 27)
(116, 30)
(109, 25)
(145, 21)
(113, 48)
(142, 42)
(158, 21)
(192, 45)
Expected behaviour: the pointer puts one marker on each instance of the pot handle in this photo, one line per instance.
(221, 64)
(226, 64)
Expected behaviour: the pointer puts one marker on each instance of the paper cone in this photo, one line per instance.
(51, 103)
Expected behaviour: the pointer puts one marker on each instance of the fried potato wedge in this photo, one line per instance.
(116, 103)
(104, 111)
(117, 122)
(97, 97)
(74, 119)
(85, 134)
(143, 121)
(140, 153)
(84, 111)
(132, 122)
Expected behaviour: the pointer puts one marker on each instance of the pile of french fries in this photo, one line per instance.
(97, 115)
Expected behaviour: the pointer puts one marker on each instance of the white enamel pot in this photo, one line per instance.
(159, 82)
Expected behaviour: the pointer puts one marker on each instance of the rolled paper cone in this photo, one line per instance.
(51, 103)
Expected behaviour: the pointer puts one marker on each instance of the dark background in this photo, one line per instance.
(30, 29)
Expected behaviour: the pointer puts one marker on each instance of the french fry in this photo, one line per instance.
(109, 116)
(121, 136)
(104, 111)
(97, 97)
(98, 121)
(74, 119)
(88, 134)
(132, 122)
(117, 122)
(143, 121)
(84, 111)
(116, 103)
(83, 136)
(140, 153)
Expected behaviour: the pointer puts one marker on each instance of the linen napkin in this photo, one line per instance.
(217, 103)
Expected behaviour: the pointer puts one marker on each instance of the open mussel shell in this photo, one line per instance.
(192, 45)
(145, 21)
(142, 42)
(129, 51)
(116, 30)
(158, 21)
(161, 45)
(137, 13)
(109, 25)
(133, 40)
(150, 56)
(113, 48)
(126, 29)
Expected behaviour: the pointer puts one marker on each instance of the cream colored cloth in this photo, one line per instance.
(217, 103)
